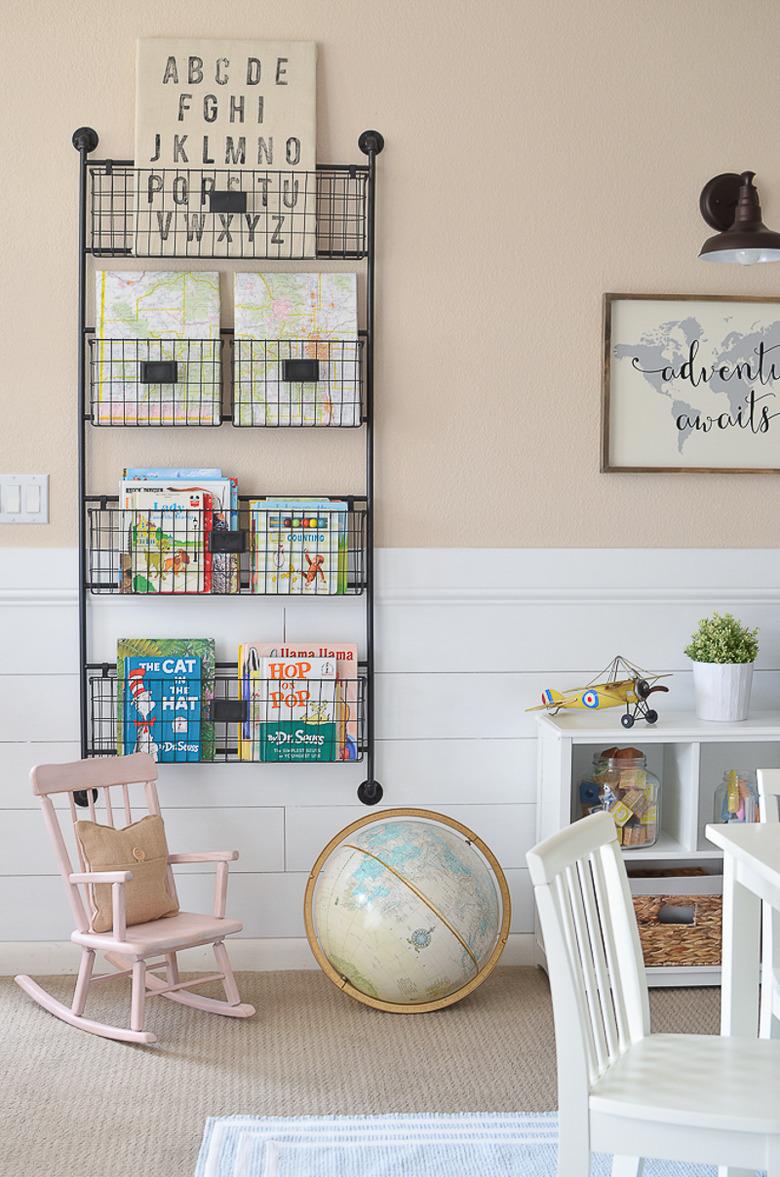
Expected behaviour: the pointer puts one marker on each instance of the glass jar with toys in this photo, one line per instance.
(621, 784)
(736, 798)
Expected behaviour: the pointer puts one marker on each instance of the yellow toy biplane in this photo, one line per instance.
(619, 684)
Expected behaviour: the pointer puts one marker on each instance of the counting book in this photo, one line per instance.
(298, 546)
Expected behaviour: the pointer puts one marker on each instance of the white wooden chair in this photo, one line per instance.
(621, 1089)
(769, 804)
(140, 950)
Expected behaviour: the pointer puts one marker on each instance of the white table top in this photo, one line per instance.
(754, 841)
(756, 850)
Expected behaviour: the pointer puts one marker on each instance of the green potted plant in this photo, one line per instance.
(723, 652)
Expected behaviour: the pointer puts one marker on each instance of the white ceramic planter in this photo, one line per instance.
(722, 690)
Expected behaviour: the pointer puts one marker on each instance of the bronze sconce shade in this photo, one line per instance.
(729, 203)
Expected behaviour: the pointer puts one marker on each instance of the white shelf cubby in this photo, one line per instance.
(689, 755)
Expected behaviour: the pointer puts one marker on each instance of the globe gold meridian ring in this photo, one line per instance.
(346, 986)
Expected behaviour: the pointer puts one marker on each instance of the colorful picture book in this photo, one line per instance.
(298, 546)
(168, 526)
(301, 702)
(174, 682)
(161, 549)
(150, 316)
(163, 706)
(291, 317)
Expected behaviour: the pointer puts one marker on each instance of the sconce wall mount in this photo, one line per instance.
(729, 204)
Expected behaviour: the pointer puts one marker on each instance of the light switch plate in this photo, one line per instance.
(24, 498)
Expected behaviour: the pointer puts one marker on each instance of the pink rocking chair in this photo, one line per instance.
(129, 949)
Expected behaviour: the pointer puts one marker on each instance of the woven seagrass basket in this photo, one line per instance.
(684, 944)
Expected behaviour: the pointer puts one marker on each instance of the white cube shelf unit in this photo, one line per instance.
(689, 756)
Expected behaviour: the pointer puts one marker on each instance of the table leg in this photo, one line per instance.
(739, 991)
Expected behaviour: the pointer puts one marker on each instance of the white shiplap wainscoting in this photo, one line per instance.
(466, 640)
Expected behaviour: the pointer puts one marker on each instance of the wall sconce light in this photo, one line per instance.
(729, 203)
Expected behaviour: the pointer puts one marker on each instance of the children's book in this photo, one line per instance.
(225, 566)
(282, 317)
(298, 717)
(163, 704)
(168, 529)
(156, 315)
(150, 649)
(298, 546)
(253, 662)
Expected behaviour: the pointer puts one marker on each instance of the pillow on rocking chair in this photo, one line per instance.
(141, 848)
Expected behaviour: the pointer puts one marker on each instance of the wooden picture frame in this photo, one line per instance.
(661, 413)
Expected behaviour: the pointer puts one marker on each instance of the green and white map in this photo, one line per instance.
(695, 383)
(407, 910)
(151, 316)
(291, 317)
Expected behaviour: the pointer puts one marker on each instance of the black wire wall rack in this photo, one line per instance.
(180, 214)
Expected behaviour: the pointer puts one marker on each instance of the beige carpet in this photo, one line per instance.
(78, 1106)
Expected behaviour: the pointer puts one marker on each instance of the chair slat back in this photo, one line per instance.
(594, 957)
(769, 793)
(769, 811)
(120, 774)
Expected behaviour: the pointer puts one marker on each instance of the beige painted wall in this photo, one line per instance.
(537, 155)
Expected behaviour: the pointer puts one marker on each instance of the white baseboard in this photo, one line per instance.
(42, 958)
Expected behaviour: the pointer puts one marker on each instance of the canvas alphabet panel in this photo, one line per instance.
(691, 383)
(225, 147)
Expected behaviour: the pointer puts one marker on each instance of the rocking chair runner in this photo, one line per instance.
(129, 949)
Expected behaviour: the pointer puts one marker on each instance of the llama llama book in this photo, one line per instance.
(256, 685)
(162, 706)
(148, 316)
(168, 528)
(225, 566)
(222, 115)
(170, 650)
(298, 546)
(281, 317)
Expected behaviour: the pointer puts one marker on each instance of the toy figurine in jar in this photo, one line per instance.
(736, 798)
(621, 784)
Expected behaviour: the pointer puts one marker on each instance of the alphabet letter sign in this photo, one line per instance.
(225, 148)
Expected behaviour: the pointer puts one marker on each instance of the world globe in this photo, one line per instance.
(407, 910)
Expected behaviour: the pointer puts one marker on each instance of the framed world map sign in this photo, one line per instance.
(691, 383)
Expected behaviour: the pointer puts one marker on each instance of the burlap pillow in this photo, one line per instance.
(141, 848)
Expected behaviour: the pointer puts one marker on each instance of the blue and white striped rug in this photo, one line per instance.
(467, 1145)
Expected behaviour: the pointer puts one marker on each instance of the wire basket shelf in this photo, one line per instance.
(227, 212)
(256, 549)
(230, 720)
(298, 382)
(275, 382)
(155, 381)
